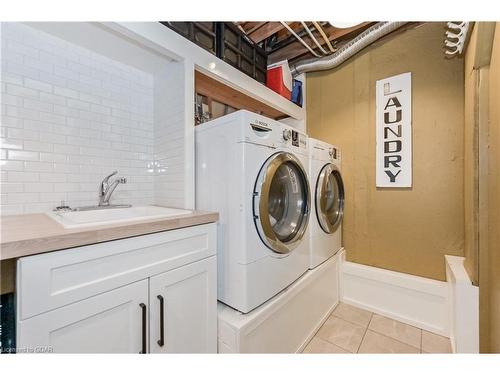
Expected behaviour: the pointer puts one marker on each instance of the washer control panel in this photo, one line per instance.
(334, 153)
(287, 134)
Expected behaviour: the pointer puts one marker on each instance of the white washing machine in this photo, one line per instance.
(327, 197)
(253, 171)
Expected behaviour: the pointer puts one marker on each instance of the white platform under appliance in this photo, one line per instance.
(253, 171)
(327, 197)
(287, 322)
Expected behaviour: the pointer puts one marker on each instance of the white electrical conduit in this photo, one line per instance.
(313, 38)
(320, 29)
(299, 39)
(363, 40)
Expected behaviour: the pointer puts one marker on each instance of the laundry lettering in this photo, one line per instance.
(393, 159)
(393, 131)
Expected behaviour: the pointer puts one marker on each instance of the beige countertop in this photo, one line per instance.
(31, 234)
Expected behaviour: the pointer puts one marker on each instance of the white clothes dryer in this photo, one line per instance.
(327, 196)
(253, 171)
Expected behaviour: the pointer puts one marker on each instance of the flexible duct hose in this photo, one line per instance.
(363, 40)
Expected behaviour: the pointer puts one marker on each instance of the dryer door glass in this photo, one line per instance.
(329, 198)
(281, 199)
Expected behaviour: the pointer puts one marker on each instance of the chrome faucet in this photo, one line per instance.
(106, 189)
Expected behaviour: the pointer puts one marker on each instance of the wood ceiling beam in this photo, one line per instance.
(250, 27)
(265, 31)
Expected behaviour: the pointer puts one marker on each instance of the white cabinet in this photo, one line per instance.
(183, 307)
(110, 322)
(106, 298)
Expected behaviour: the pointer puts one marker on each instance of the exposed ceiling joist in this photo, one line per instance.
(265, 31)
(294, 50)
(250, 27)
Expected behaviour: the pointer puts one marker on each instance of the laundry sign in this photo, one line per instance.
(393, 127)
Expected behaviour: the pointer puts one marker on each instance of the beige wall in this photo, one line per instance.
(471, 161)
(493, 287)
(482, 176)
(406, 230)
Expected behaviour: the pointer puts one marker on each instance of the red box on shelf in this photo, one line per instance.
(279, 79)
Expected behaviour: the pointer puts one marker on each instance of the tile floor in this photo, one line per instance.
(353, 330)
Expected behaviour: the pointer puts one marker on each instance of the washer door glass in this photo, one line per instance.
(281, 202)
(329, 198)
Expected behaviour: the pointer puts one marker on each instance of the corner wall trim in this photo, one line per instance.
(464, 307)
(418, 301)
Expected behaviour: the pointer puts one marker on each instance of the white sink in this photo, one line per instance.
(78, 219)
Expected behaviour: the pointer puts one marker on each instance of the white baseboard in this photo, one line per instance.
(418, 301)
(464, 307)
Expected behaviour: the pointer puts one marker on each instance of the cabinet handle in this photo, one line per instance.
(161, 341)
(144, 328)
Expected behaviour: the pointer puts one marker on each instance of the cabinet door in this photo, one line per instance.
(186, 299)
(111, 322)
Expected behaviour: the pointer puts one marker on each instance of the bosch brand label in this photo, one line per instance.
(262, 123)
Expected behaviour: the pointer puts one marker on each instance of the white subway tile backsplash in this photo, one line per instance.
(38, 166)
(52, 137)
(21, 113)
(37, 85)
(52, 197)
(66, 92)
(11, 187)
(96, 108)
(23, 49)
(39, 146)
(16, 68)
(60, 71)
(12, 122)
(11, 78)
(90, 98)
(11, 209)
(52, 157)
(36, 63)
(21, 91)
(71, 116)
(7, 143)
(52, 118)
(22, 155)
(12, 100)
(23, 134)
(52, 177)
(15, 198)
(52, 79)
(66, 111)
(51, 98)
(91, 116)
(16, 176)
(66, 187)
(38, 105)
(78, 104)
(38, 187)
(12, 165)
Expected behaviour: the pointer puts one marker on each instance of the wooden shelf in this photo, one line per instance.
(216, 90)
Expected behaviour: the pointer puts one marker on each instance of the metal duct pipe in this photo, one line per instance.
(363, 40)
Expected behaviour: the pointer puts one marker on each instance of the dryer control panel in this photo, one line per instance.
(324, 151)
(334, 153)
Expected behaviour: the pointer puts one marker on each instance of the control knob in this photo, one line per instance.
(287, 134)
